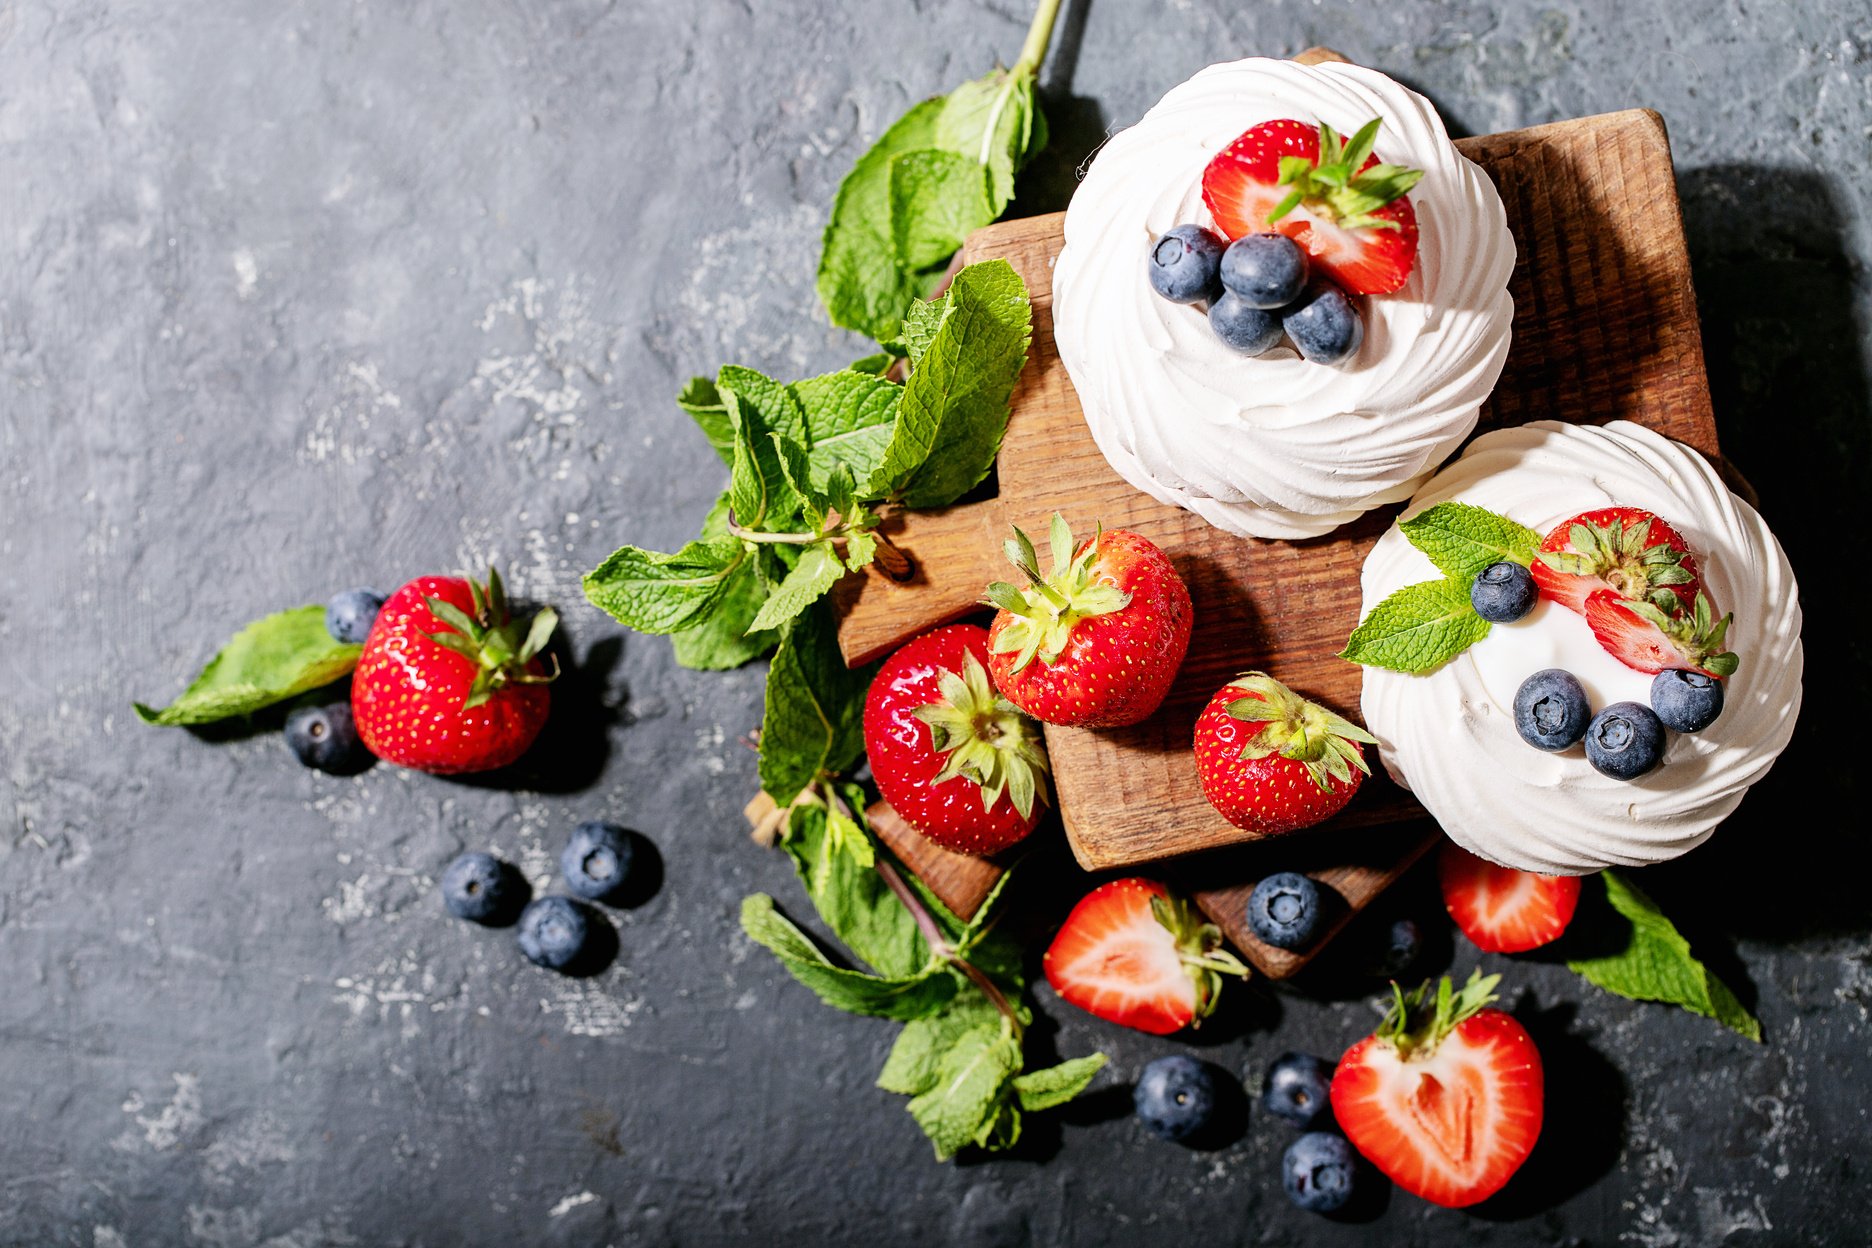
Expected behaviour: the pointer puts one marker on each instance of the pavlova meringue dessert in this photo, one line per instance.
(1581, 648)
(1283, 296)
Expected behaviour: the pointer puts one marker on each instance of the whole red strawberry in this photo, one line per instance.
(1096, 642)
(448, 681)
(957, 760)
(1627, 550)
(1447, 1098)
(1272, 762)
(1329, 194)
(1133, 953)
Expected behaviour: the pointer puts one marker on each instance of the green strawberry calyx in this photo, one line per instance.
(1045, 614)
(1199, 945)
(1622, 557)
(1418, 1023)
(1695, 632)
(983, 736)
(1336, 188)
(500, 647)
(1296, 729)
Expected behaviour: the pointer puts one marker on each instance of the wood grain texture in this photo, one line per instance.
(1605, 328)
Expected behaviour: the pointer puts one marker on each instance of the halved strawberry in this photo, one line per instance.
(1447, 1098)
(1645, 637)
(1135, 954)
(1502, 910)
(1626, 549)
(1329, 194)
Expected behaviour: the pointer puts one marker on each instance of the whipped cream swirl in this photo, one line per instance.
(1449, 735)
(1275, 446)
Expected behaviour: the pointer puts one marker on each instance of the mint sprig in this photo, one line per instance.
(1652, 960)
(943, 170)
(814, 465)
(1421, 627)
(272, 659)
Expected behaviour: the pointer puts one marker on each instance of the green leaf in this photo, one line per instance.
(860, 281)
(875, 364)
(965, 1105)
(814, 722)
(270, 660)
(1462, 539)
(658, 593)
(1655, 963)
(720, 639)
(920, 326)
(759, 407)
(1418, 628)
(1055, 1085)
(937, 200)
(955, 404)
(993, 121)
(704, 404)
(818, 569)
(850, 896)
(848, 417)
(916, 1059)
(852, 991)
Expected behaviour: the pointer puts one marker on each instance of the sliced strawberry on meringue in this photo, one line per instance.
(1643, 636)
(1624, 549)
(1331, 195)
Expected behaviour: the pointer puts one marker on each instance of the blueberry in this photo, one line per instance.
(1247, 329)
(1264, 270)
(1625, 740)
(1503, 593)
(1185, 263)
(1296, 1088)
(1324, 325)
(1285, 910)
(1550, 709)
(554, 932)
(1318, 1171)
(1176, 1096)
(348, 617)
(596, 862)
(325, 737)
(1686, 701)
(481, 888)
(1403, 943)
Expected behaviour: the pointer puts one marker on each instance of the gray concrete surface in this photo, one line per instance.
(300, 295)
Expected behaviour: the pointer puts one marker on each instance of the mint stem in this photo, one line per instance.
(1039, 35)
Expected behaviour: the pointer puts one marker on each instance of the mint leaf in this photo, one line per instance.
(1418, 628)
(268, 661)
(849, 417)
(818, 569)
(860, 281)
(955, 405)
(852, 991)
(1055, 1085)
(704, 404)
(877, 363)
(1462, 539)
(920, 326)
(720, 639)
(993, 121)
(851, 898)
(814, 722)
(758, 408)
(916, 1059)
(968, 1102)
(658, 593)
(1656, 964)
(937, 199)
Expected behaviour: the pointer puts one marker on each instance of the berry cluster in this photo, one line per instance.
(600, 863)
(1626, 739)
(1257, 293)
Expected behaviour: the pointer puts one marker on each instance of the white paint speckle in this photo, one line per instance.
(165, 1127)
(246, 273)
(569, 1203)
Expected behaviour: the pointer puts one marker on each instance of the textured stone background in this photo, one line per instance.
(294, 296)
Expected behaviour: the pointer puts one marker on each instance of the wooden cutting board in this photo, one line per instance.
(1605, 328)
